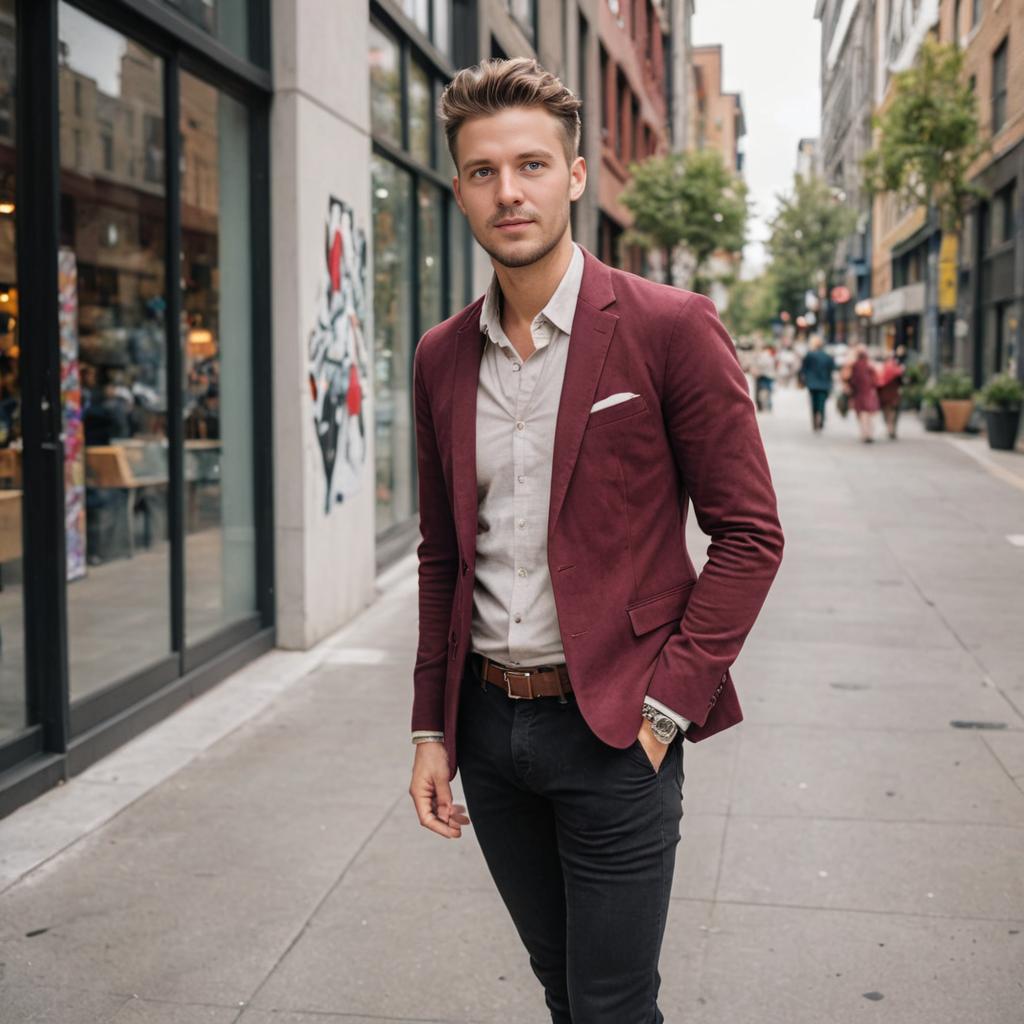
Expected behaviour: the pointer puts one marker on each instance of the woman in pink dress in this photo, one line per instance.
(862, 383)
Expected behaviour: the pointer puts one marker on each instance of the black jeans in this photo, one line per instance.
(580, 839)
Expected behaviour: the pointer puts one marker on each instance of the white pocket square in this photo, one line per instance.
(622, 396)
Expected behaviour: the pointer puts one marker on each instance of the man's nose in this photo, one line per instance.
(509, 193)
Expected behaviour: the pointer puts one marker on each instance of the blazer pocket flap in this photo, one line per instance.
(667, 606)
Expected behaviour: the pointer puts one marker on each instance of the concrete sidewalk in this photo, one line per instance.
(852, 851)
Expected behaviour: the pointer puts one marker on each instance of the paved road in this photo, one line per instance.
(853, 851)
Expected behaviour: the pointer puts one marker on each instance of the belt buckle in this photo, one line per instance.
(505, 673)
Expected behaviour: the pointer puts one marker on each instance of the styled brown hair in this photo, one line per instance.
(495, 84)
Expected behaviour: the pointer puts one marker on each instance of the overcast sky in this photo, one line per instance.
(770, 54)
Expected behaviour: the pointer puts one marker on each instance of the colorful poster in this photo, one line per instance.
(71, 403)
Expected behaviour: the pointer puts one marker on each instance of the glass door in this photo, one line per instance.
(112, 302)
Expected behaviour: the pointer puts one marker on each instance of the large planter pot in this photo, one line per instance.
(956, 412)
(1003, 425)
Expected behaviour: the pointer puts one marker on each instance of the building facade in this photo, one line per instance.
(635, 93)
(990, 281)
(847, 102)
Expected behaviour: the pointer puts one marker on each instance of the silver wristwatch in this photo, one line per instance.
(662, 726)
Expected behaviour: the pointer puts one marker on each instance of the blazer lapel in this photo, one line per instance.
(465, 380)
(592, 330)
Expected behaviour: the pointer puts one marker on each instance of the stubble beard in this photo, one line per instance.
(525, 259)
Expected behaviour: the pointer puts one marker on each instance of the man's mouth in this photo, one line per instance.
(506, 225)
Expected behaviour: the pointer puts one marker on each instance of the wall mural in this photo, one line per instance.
(338, 361)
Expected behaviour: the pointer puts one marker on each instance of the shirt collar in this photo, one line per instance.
(560, 309)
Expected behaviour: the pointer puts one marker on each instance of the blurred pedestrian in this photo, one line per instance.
(890, 388)
(764, 378)
(859, 374)
(816, 372)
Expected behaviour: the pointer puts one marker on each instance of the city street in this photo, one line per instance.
(852, 851)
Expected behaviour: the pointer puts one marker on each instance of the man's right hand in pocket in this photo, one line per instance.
(431, 792)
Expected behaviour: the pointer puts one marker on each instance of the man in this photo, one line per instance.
(816, 375)
(563, 421)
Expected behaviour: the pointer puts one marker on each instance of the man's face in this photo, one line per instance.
(514, 184)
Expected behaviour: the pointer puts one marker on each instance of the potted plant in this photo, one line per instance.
(915, 377)
(1001, 399)
(930, 410)
(956, 398)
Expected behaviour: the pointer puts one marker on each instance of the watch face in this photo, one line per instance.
(664, 729)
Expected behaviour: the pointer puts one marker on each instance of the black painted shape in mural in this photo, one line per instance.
(338, 360)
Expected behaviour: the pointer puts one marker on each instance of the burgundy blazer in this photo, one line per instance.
(634, 617)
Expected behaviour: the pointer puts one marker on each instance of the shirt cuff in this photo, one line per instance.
(677, 718)
(423, 735)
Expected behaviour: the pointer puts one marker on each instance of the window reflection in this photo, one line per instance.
(392, 305)
(220, 542)
(421, 116)
(225, 20)
(385, 86)
(12, 641)
(113, 351)
(429, 206)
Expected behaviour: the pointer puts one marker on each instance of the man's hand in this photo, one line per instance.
(654, 749)
(431, 793)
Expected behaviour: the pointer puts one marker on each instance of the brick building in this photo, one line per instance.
(991, 251)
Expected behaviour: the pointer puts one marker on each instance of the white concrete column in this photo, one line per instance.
(322, 319)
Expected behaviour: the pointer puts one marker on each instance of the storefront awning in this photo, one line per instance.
(905, 301)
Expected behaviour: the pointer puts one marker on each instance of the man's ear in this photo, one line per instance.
(577, 178)
(458, 193)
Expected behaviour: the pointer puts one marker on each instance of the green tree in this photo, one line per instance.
(691, 200)
(809, 224)
(753, 306)
(928, 137)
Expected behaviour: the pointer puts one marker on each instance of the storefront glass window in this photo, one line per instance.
(12, 639)
(111, 279)
(419, 12)
(225, 20)
(392, 306)
(443, 26)
(421, 115)
(385, 86)
(458, 263)
(220, 532)
(430, 208)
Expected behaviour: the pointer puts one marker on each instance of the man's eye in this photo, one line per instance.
(480, 170)
(535, 163)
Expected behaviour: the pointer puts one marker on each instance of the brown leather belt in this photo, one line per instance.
(527, 683)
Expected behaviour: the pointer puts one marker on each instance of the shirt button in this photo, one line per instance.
(521, 479)
(518, 618)
(520, 425)
(515, 366)
(522, 572)
(522, 522)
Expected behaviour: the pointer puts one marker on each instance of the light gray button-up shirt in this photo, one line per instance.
(514, 619)
(514, 616)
